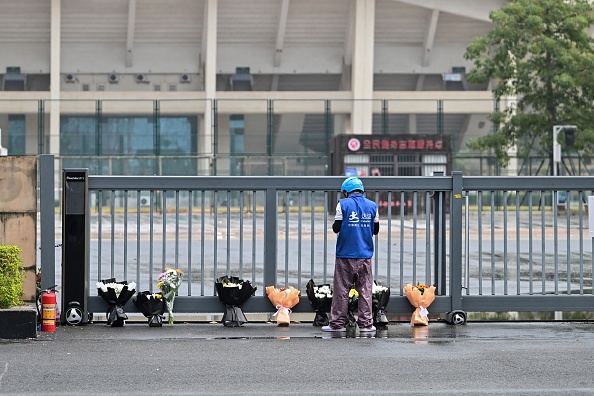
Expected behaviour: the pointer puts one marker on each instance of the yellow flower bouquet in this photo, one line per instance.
(420, 297)
(353, 307)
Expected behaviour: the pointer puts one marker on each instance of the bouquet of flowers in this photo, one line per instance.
(169, 281)
(116, 295)
(320, 298)
(152, 306)
(420, 297)
(380, 298)
(233, 292)
(353, 306)
(283, 300)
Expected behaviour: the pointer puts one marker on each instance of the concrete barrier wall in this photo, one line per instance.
(18, 212)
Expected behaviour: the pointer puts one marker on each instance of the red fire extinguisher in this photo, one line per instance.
(48, 311)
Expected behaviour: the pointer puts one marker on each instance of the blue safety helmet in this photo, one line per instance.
(351, 184)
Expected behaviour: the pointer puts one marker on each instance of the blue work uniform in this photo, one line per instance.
(354, 249)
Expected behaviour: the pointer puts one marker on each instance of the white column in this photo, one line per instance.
(412, 124)
(205, 140)
(55, 53)
(362, 73)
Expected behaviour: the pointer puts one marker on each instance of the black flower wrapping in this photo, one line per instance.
(233, 298)
(321, 306)
(353, 309)
(115, 313)
(378, 304)
(152, 308)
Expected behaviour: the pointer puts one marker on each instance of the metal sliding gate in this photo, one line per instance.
(489, 244)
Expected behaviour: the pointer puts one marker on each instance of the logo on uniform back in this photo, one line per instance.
(353, 218)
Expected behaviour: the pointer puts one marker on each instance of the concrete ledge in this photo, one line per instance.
(18, 322)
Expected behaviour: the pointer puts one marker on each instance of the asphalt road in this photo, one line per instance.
(263, 359)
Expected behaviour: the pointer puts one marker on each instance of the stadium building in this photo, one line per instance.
(251, 87)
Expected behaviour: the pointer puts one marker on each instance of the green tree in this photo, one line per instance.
(541, 53)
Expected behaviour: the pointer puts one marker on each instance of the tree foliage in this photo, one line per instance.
(541, 53)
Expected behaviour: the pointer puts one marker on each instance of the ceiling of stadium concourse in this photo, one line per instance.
(272, 37)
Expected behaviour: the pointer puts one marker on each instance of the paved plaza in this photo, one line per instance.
(262, 359)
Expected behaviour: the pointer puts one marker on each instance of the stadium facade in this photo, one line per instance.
(251, 87)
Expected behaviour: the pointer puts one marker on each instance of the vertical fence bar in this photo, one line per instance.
(228, 233)
(151, 236)
(312, 236)
(112, 239)
(376, 240)
(592, 261)
(414, 241)
(287, 238)
(164, 236)
(480, 241)
(401, 243)
(325, 237)
(270, 236)
(99, 231)
(568, 231)
(299, 238)
(47, 219)
(389, 257)
(215, 235)
(126, 235)
(254, 208)
(202, 228)
(467, 247)
(581, 213)
(176, 228)
(150, 286)
(456, 242)
(530, 249)
(543, 242)
(518, 268)
(555, 240)
(241, 238)
(492, 242)
(190, 215)
(429, 217)
(505, 243)
(439, 236)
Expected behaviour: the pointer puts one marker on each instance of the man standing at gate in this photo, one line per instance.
(356, 222)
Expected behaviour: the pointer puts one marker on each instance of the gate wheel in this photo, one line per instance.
(457, 318)
(74, 315)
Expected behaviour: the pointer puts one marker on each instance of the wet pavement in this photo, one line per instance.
(484, 358)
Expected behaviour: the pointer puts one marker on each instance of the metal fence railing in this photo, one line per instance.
(489, 244)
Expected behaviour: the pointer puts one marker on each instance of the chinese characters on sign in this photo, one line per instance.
(410, 144)
(397, 143)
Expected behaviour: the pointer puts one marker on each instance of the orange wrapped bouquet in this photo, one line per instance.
(420, 297)
(283, 300)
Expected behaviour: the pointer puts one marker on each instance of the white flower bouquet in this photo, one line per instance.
(320, 298)
(169, 282)
(152, 306)
(116, 295)
(380, 298)
(233, 292)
